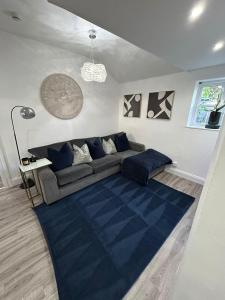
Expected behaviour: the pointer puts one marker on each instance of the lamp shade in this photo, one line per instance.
(93, 72)
(27, 112)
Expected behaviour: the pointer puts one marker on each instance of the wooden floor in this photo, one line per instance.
(26, 270)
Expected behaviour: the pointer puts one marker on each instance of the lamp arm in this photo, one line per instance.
(14, 132)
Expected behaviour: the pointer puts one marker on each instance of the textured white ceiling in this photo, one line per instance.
(53, 25)
(162, 27)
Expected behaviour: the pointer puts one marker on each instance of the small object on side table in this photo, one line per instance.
(33, 166)
(25, 161)
(33, 159)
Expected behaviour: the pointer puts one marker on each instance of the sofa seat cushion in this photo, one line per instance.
(104, 163)
(125, 154)
(73, 173)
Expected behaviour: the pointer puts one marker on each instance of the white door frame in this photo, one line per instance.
(4, 171)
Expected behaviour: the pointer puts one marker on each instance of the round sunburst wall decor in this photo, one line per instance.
(61, 96)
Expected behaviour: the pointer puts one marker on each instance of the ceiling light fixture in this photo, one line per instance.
(91, 71)
(218, 46)
(196, 12)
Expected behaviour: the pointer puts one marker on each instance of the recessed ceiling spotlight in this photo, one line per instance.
(218, 46)
(196, 11)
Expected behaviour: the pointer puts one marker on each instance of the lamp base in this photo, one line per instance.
(30, 183)
(210, 126)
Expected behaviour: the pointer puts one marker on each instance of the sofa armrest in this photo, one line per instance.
(136, 146)
(49, 185)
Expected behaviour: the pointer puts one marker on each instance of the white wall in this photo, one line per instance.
(191, 148)
(24, 63)
(202, 271)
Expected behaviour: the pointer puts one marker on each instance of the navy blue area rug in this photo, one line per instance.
(102, 237)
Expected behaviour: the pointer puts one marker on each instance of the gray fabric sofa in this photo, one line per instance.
(57, 185)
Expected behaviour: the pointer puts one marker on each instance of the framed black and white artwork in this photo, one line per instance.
(160, 105)
(132, 105)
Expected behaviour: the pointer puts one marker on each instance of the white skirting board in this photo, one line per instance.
(15, 181)
(186, 175)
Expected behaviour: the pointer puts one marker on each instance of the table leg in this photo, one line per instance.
(39, 183)
(27, 188)
(35, 182)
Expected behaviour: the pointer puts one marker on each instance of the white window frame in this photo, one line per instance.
(196, 100)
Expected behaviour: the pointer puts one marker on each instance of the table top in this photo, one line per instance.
(40, 163)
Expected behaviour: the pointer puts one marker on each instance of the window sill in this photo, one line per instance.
(201, 128)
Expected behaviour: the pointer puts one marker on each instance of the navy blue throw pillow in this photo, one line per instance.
(95, 148)
(62, 158)
(121, 142)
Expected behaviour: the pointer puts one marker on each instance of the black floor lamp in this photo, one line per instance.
(25, 113)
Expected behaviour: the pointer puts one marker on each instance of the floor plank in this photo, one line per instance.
(26, 271)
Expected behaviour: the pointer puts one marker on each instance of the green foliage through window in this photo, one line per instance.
(209, 96)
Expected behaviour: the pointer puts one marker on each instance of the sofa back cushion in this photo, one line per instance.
(121, 142)
(60, 159)
(95, 148)
(42, 151)
(111, 136)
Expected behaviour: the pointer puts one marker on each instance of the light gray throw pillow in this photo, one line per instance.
(109, 146)
(81, 155)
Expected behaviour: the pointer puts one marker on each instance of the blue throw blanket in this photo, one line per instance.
(138, 167)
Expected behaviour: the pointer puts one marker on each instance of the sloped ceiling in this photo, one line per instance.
(50, 24)
(161, 27)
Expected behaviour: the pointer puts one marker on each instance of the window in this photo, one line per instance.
(208, 96)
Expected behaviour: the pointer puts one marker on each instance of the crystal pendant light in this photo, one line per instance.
(91, 71)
